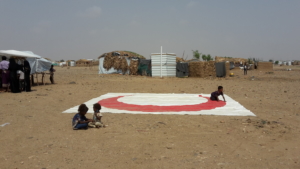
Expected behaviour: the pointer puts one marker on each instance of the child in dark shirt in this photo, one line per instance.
(215, 95)
(79, 120)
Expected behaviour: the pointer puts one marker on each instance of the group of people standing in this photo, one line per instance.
(9, 75)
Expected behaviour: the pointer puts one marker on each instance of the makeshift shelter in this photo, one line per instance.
(265, 66)
(182, 69)
(113, 70)
(120, 62)
(18, 54)
(38, 64)
(83, 62)
(229, 59)
(95, 62)
(163, 64)
(144, 67)
(202, 69)
(178, 59)
(232, 65)
(220, 69)
(295, 62)
(71, 63)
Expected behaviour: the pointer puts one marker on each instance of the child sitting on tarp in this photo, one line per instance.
(79, 120)
(97, 117)
(215, 95)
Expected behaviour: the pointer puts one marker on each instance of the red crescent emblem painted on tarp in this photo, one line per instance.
(113, 103)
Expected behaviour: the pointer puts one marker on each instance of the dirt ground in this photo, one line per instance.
(40, 135)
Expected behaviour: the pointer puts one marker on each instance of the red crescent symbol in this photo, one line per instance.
(113, 103)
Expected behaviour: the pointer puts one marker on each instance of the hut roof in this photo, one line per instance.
(123, 53)
(83, 60)
(48, 59)
(224, 59)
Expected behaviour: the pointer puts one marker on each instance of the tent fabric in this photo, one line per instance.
(231, 65)
(220, 69)
(144, 67)
(26, 54)
(36, 62)
(32, 63)
(39, 65)
(145, 61)
(112, 70)
(182, 69)
(43, 65)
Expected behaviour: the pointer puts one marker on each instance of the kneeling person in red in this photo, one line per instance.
(215, 95)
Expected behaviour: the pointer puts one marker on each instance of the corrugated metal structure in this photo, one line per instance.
(165, 65)
(73, 63)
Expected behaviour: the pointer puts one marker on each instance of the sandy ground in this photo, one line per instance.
(40, 136)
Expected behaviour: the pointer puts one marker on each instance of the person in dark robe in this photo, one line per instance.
(27, 71)
(52, 74)
(13, 76)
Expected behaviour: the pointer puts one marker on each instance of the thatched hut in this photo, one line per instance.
(83, 62)
(202, 69)
(265, 66)
(119, 62)
(229, 59)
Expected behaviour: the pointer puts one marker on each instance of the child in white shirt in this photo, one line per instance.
(97, 117)
(21, 79)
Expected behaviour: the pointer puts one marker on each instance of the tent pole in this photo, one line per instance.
(161, 61)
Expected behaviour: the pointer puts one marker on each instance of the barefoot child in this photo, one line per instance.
(79, 120)
(97, 117)
(215, 95)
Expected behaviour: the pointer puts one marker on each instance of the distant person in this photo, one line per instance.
(13, 76)
(79, 120)
(27, 70)
(52, 74)
(97, 117)
(215, 95)
(4, 65)
(245, 69)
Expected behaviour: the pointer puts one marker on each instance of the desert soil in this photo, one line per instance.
(40, 135)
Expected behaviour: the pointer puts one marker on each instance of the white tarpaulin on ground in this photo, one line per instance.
(151, 103)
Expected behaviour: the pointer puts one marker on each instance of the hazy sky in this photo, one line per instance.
(74, 29)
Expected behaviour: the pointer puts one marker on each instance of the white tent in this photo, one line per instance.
(25, 54)
(37, 63)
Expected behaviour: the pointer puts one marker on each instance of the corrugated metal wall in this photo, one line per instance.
(168, 64)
